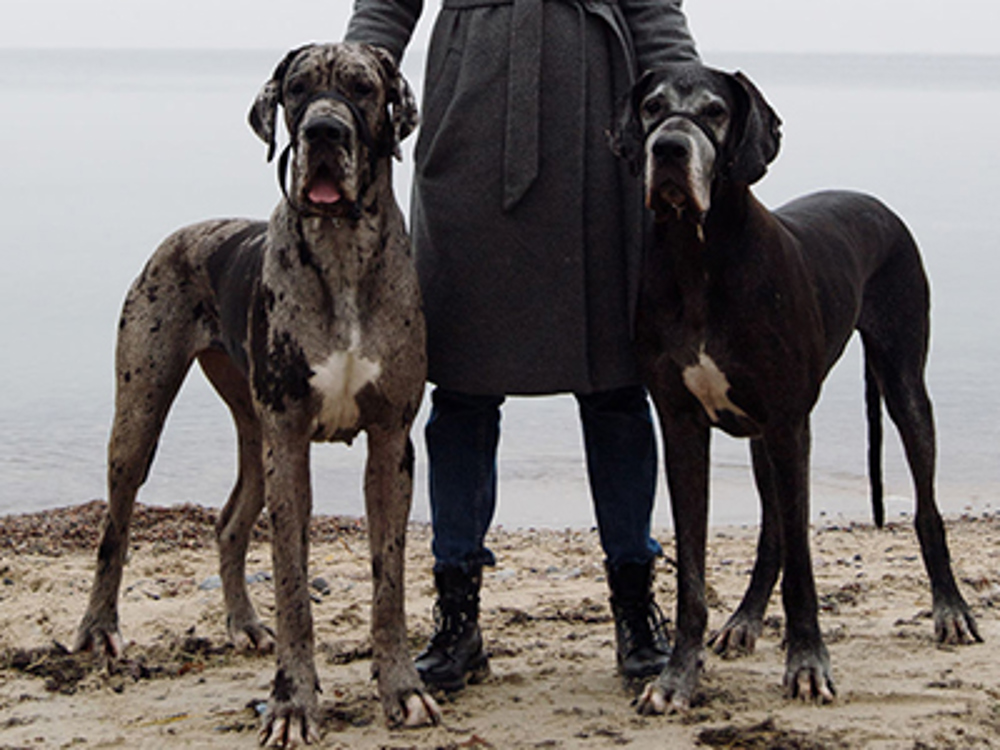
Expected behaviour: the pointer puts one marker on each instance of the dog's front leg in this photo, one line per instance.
(291, 718)
(739, 635)
(686, 439)
(388, 495)
(807, 663)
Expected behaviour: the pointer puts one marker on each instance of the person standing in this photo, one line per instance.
(527, 234)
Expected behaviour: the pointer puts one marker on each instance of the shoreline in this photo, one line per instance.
(546, 623)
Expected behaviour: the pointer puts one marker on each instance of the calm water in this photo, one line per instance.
(104, 153)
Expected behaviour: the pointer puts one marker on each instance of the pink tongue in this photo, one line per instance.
(324, 192)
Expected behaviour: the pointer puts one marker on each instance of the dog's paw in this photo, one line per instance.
(955, 626)
(656, 700)
(738, 637)
(252, 636)
(100, 635)
(405, 702)
(291, 719)
(288, 724)
(807, 677)
(673, 690)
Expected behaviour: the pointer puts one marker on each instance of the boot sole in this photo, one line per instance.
(478, 673)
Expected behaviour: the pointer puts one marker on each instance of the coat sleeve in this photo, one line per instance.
(659, 32)
(385, 23)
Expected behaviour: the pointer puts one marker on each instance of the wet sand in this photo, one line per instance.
(546, 622)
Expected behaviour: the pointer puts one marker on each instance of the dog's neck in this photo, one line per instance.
(697, 245)
(687, 258)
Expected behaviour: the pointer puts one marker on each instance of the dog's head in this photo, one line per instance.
(687, 128)
(346, 108)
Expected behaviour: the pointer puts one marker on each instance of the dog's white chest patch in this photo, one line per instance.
(337, 381)
(710, 386)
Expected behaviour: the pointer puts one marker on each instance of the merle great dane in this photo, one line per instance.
(310, 328)
(742, 313)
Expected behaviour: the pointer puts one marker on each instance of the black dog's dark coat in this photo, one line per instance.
(742, 313)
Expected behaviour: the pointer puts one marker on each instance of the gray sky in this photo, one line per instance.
(941, 26)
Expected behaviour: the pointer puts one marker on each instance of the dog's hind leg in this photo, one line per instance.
(152, 359)
(899, 372)
(245, 503)
(739, 634)
(895, 331)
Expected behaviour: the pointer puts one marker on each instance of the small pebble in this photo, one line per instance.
(321, 585)
(211, 583)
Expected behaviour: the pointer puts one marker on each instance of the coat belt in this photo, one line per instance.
(521, 130)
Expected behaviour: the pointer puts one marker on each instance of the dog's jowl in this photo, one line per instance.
(742, 313)
(309, 327)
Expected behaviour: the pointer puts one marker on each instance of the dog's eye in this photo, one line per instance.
(714, 111)
(296, 88)
(363, 88)
(651, 107)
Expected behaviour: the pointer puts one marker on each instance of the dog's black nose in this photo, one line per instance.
(672, 147)
(327, 130)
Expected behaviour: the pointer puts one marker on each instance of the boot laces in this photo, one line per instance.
(643, 623)
(450, 623)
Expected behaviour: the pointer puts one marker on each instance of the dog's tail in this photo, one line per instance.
(873, 404)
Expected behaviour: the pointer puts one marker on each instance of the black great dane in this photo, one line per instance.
(742, 313)
(310, 328)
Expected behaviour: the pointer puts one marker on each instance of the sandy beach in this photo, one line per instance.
(547, 624)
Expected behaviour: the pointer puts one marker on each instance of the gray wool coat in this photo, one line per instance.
(527, 230)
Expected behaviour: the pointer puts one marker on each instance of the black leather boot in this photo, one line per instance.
(455, 655)
(642, 643)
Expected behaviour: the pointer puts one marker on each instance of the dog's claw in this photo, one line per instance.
(420, 710)
(114, 644)
(652, 701)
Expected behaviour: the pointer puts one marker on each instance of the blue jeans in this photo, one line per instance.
(462, 436)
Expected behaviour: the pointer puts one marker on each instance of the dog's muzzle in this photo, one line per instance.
(327, 137)
(680, 165)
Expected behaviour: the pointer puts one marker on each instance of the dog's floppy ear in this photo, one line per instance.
(263, 115)
(758, 133)
(626, 138)
(403, 114)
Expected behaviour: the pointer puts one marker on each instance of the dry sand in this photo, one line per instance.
(547, 624)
